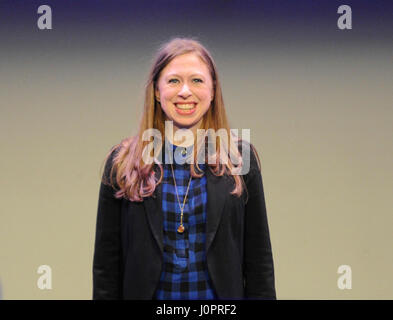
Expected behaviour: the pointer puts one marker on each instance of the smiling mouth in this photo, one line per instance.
(185, 106)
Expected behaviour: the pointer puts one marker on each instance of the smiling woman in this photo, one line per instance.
(179, 230)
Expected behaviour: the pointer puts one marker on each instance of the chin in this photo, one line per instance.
(185, 125)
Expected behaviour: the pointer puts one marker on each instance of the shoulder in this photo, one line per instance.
(107, 177)
(112, 160)
(250, 159)
(252, 176)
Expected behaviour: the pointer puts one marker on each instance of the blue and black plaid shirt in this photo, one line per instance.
(185, 274)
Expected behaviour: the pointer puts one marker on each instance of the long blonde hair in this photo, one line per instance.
(135, 179)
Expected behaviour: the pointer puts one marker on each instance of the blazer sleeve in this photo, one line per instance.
(258, 258)
(107, 275)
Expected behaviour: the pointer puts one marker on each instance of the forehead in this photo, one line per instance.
(186, 63)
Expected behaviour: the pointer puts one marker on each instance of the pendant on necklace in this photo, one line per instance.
(180, 229)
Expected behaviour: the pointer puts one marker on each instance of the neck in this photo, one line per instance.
(185, 140)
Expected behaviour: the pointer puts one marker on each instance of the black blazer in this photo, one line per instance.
(128, 253)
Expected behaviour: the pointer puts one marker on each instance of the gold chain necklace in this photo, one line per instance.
(180, 229)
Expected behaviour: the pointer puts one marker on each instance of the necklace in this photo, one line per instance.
(180, 229)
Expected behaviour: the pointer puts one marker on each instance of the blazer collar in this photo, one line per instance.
(218, 190)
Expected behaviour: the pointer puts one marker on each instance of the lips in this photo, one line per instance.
(185, 106)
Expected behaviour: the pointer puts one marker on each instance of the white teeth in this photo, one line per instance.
(185, 106)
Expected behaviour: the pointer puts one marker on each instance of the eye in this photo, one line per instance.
(173, 80)
(197, 80)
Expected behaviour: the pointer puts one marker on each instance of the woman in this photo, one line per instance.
(192, 228)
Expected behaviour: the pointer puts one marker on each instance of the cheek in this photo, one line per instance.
(204, 95)
(167, 93)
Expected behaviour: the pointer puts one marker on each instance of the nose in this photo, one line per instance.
(184, 91)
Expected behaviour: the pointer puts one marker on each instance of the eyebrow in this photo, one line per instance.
(176, 75)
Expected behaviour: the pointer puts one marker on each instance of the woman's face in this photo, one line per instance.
(185, 91)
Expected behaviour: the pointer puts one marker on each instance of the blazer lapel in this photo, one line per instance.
(217, 193)
(155, 216)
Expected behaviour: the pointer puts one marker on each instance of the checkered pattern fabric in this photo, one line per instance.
(185, 274)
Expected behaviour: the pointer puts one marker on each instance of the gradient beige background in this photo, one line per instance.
(320, 116)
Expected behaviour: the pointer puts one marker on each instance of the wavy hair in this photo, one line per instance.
(134, 179)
